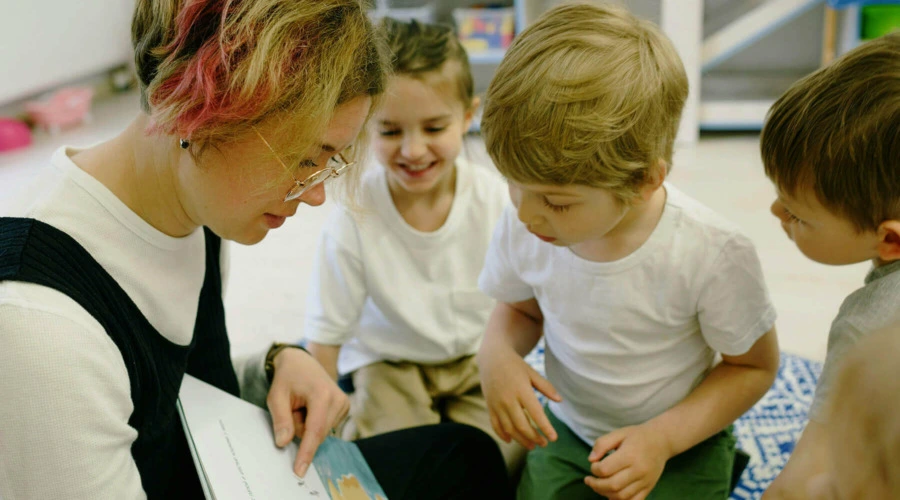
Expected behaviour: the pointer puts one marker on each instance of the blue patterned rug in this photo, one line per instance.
(769, 431)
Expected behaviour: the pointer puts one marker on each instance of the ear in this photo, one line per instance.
(655, 178)
(889, 240)
(470, 113)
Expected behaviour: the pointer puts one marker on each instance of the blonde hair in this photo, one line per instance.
(865, 414)
(589, 94)
(421, 50)
(837, 132)
(209, 70)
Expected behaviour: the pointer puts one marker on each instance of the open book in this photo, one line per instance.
(234, 450)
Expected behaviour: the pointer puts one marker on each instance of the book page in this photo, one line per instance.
(236, 457)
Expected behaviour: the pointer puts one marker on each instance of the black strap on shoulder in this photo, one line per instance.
(210, 359)
(35, 252)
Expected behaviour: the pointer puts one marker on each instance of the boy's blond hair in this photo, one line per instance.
(589, 94)
(865, 415)
(837, 133)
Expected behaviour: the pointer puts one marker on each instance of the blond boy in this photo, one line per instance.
(635, 286)
(862, 453)
(831, 146)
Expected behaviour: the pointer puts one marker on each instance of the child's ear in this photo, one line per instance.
(889, 240)
(661, 172)
(470, 113)
(655, 178)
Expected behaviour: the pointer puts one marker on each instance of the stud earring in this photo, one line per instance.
(183, 143)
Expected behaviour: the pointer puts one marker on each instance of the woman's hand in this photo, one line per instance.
(305, 402)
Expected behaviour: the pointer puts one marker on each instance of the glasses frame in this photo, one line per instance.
(312, 180)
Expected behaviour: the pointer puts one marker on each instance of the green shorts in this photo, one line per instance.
(558, 471)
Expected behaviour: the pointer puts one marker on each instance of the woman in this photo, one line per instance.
(110, 291)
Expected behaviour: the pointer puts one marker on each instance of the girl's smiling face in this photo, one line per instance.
(419, 132)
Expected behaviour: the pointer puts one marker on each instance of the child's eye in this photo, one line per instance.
(792, 219)
(388, 133)
(435, 130)
(555, 208)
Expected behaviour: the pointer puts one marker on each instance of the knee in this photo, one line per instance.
(475, 452)
(469, 439)
(467, 447)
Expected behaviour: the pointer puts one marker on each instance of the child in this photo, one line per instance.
(395, 292)
(635, 286)
(863, 451)
(831, 146)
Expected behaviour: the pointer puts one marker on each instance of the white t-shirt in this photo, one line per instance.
(627, 340)
(386, 291)
(65, 396)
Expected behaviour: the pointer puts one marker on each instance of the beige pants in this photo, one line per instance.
(393, 396)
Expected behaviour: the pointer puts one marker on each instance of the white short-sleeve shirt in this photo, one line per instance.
(388, 292)
(629, 339)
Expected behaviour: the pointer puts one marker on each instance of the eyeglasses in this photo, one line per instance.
(336, 165)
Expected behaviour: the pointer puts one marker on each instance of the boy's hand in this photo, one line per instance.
(508, 384)
(631, 472)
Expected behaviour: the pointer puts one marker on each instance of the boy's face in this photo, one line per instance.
(820, 234)
(567, 215)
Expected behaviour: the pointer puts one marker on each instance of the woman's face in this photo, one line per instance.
(238, 189)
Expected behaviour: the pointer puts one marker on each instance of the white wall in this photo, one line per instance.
(46, 43)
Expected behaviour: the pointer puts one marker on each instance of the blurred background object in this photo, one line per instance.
(14, 134)
(740, 54)
(64, 108)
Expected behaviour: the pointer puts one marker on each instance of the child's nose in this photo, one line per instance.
(413, 146)
(777, 210)
(525, 211)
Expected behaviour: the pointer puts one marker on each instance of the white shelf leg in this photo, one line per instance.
(682, 21)
(527, 11)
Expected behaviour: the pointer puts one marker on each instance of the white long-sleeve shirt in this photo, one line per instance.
(65, 396)
(386, 291)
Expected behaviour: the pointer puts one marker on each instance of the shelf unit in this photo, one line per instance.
(710, 105)
(749, 28)
(717, 101)
(440, 11)
(837, 31)
(748, 113)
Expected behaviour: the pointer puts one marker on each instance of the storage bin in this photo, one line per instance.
(485, 29)
(878, 20)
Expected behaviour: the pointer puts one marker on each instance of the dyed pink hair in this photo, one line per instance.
(209, 69)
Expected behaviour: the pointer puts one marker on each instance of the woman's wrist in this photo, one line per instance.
(272, 354)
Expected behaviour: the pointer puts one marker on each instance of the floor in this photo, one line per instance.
(267, 284)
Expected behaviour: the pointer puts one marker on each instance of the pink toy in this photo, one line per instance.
(13, 134)
(66, 107)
